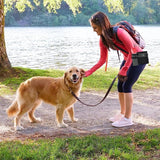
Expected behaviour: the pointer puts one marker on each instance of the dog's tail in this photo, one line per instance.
(13, 109)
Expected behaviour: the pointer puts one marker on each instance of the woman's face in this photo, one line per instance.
(96, 28)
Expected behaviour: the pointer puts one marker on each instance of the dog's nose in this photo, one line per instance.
(74, 76)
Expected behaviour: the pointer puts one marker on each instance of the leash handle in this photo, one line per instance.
(93, 105)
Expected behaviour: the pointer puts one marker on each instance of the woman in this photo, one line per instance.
(128, 73)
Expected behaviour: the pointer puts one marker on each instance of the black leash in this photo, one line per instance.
(93, 105)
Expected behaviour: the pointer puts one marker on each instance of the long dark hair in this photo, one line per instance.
(100, 19)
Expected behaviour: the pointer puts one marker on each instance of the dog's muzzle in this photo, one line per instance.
(74, 78)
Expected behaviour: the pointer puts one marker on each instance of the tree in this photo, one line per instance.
(4, 61)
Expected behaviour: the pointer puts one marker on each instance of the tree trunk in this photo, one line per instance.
(4, 61)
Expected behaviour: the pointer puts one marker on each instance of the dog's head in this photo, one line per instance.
(74, 75)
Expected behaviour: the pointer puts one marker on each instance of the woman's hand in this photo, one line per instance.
(122, 78)
(87, 73)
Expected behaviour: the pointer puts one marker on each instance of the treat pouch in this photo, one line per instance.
(140, 58)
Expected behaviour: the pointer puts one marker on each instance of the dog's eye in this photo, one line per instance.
(70, 71)
(77, 70)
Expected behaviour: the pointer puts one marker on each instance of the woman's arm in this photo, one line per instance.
(102, 60)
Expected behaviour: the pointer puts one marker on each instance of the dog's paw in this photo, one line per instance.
(18, 128)
(36, 120)
(62, 125)
(75, 120)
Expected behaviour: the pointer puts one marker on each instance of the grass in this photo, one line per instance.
(135, 146)
(9, 84)
(99, 81)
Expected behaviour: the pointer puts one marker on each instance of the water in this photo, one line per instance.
(62, 47)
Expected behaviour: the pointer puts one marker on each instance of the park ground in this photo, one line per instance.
(92, 120)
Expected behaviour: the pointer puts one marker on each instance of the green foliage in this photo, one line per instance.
(135, 146)
(114, 5)
(35, 14)
(51, 5)
(20, 5)
(74, 5)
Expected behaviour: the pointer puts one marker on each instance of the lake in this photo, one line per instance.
(62, 47)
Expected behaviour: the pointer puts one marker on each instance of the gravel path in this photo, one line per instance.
(92, 120)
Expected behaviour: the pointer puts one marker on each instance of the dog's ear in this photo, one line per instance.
(82, 72)
(65, 74)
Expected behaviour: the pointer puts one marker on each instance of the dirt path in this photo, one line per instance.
(92, 120)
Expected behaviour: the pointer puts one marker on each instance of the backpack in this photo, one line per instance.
(131, 30)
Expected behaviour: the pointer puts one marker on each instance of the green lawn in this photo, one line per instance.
(135, 146)
(99, 81)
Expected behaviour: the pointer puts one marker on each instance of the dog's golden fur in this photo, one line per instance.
(51, 90)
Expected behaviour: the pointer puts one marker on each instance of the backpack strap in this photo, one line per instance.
(115, 29)
(121, 48)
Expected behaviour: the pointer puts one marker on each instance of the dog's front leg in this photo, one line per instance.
(70, 112)
(59, 116)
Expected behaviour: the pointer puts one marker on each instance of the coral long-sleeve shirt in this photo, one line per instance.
(128, 44)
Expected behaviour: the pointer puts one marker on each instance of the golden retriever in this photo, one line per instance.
(55, 91)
